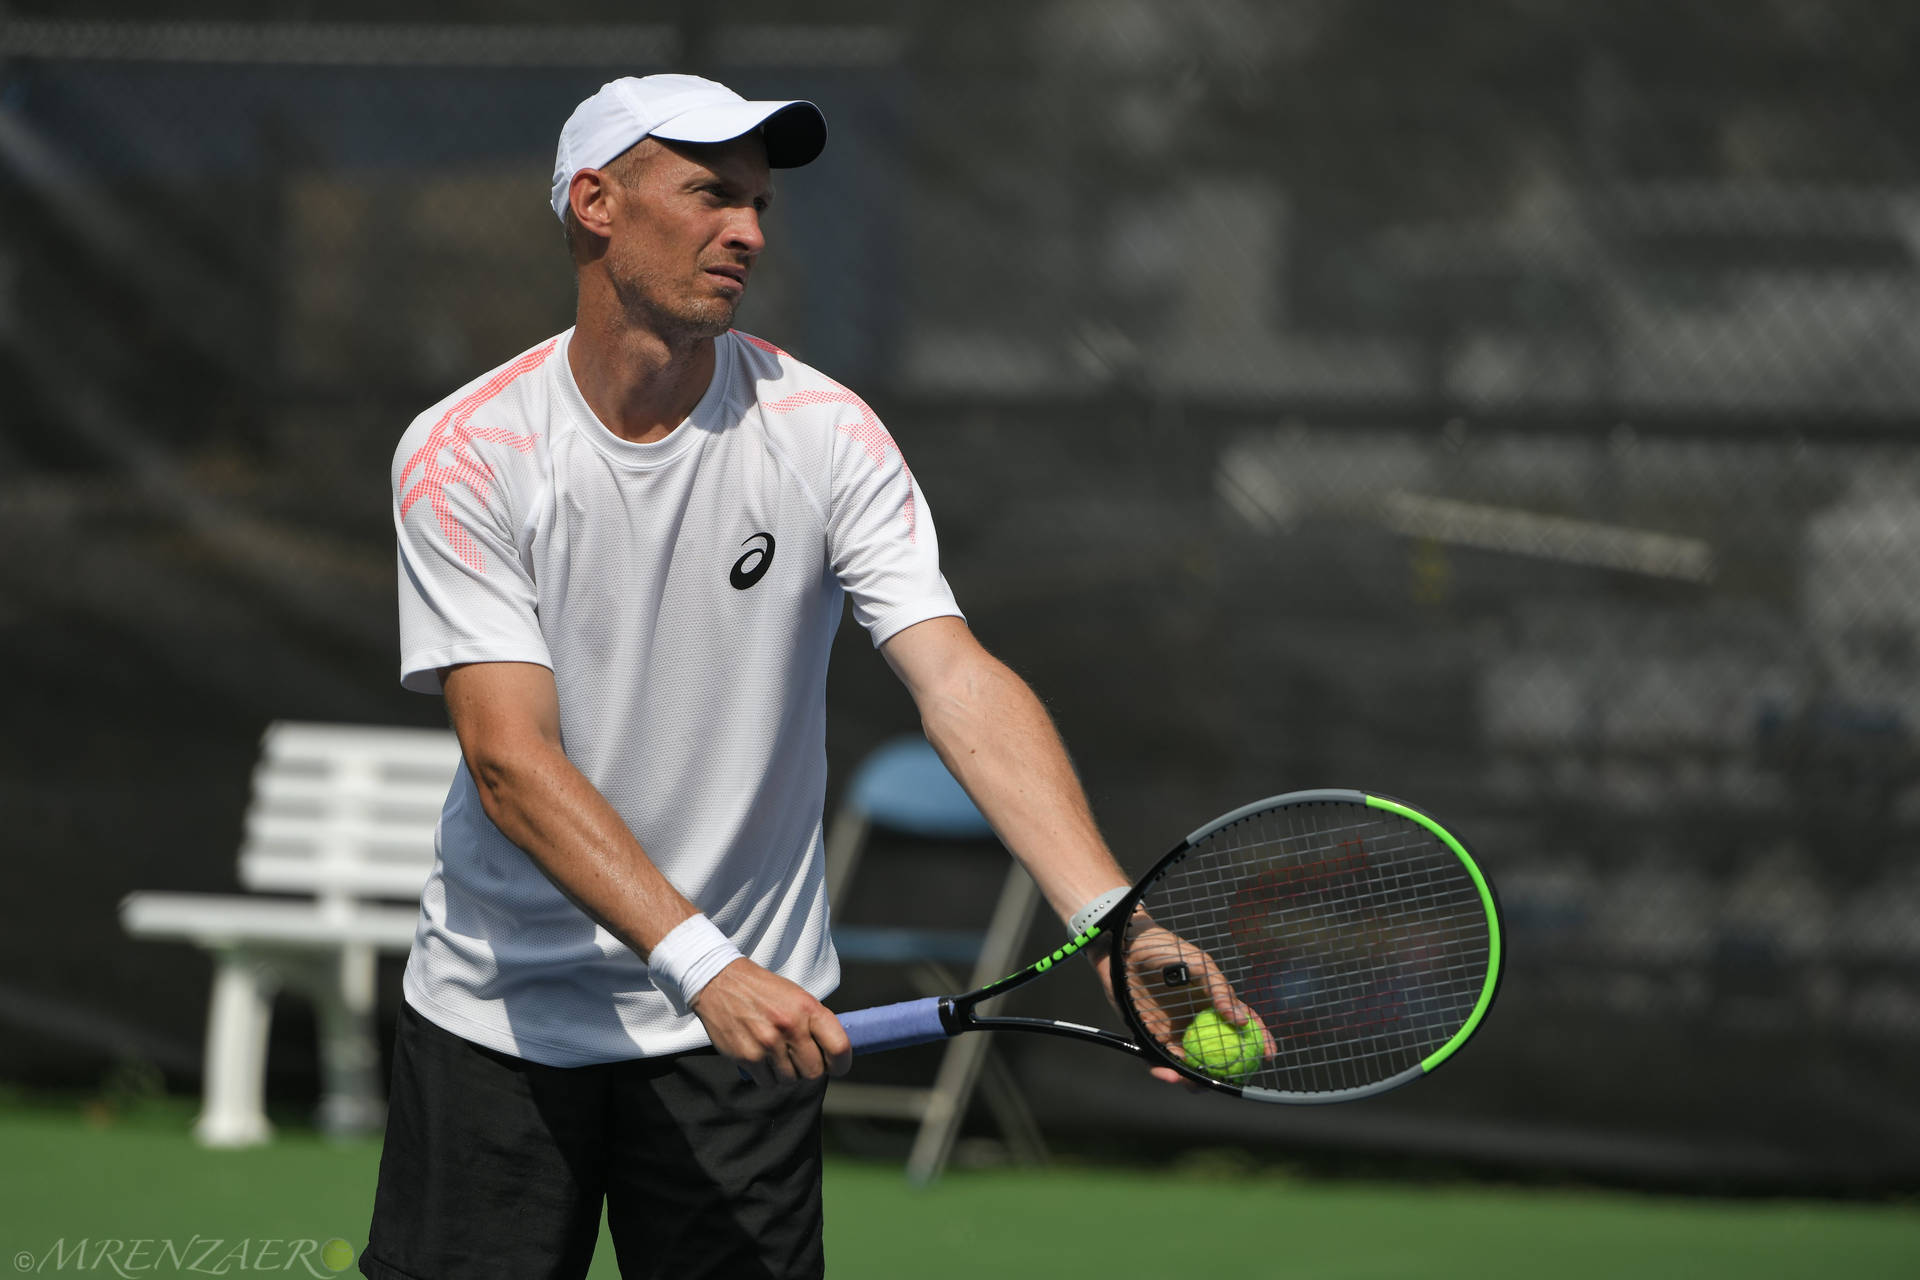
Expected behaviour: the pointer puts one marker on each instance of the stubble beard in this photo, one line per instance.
(696, 319)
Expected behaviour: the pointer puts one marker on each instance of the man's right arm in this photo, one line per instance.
(507, 716)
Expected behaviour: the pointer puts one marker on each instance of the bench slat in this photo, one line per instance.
(340, 831)
(218, 920)
(346, 810)
(287, 740)
(402, 880)
(282, 789)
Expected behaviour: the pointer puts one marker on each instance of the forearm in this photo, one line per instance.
(542, 803)
(770, 1026)
(507, 715)
(998, 740)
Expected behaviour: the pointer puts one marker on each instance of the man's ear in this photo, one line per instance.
(592, 197)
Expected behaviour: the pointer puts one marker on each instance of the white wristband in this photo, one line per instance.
(688, 958)
(1088, 916)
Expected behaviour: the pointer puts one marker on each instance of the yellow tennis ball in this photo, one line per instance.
(1220, 1049)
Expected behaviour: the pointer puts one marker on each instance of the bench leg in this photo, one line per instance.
(232, 1113)
(352, 1100)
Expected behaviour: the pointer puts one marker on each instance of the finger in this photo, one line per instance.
(806, 1058)
(1241, 1014)
(1219, 990)
(834, 1043)
(1226, 1002)
(773, 1065)
(1267, 1046)
(1167, 1075)
(1154, 1019)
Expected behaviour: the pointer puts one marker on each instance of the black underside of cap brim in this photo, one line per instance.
(795, 135)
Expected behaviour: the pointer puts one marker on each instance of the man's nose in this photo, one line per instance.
(744, 233)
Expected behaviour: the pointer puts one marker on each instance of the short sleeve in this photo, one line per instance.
(880, 533)
(466, 594)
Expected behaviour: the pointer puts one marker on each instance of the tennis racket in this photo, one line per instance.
(1357, 930)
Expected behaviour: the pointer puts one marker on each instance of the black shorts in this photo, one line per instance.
(494, 1166)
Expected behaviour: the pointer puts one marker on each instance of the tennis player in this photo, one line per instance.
(623, 556)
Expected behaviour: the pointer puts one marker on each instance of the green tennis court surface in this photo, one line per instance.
(67, 1180)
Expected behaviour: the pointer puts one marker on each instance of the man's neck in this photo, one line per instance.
(639, 383)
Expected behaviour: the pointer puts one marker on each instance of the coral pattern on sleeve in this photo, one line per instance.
(453, 436)
(868, 432)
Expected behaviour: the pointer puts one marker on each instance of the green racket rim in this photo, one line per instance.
(1494, 957)
(1115, 923)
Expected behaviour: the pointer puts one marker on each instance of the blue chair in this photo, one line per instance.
(902, 788)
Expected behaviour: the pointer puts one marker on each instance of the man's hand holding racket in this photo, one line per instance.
(772, 1028)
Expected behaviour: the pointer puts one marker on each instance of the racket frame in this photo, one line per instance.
(920, 1021)
(1115, 921)
(956, 1012)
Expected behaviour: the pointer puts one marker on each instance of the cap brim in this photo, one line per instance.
(795, 132)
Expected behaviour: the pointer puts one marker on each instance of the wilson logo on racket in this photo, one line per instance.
(1045, 963)
(752, 566)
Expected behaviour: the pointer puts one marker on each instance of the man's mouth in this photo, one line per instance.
(738, 275)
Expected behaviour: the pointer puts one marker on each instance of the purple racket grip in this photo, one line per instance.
(894, 1026)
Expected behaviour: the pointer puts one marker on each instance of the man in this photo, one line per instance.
(623, 557)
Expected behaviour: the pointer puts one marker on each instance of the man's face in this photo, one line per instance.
(687, 232)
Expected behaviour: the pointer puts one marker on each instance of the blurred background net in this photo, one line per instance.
(1509, 406)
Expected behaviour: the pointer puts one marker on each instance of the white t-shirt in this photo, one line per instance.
(685, 594)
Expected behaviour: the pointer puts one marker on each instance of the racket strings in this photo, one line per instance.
(1381, 1015)
(1357, 937)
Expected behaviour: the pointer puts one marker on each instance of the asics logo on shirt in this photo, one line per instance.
(752, 566)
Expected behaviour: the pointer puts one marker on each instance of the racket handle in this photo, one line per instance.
(894, 1026)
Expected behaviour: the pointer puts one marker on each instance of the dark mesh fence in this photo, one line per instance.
(1508, 406)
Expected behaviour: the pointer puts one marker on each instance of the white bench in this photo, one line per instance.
(343, 815)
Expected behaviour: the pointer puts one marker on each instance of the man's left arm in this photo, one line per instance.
(998, 741)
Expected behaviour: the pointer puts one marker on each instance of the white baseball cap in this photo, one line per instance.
(680, 109)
